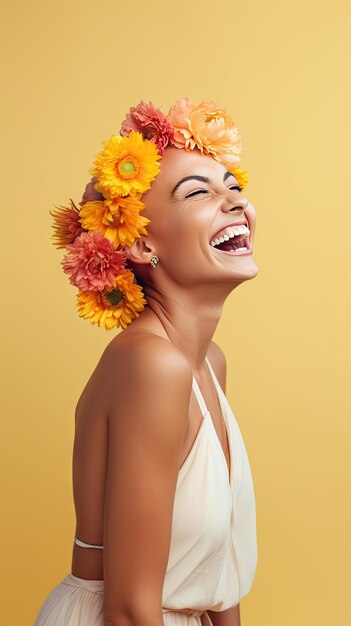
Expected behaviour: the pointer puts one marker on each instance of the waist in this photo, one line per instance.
(98, 587)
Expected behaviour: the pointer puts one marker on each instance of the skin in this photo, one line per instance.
(192, 280)
(118, 432)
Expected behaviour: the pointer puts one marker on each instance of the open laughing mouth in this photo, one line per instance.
(234, 240)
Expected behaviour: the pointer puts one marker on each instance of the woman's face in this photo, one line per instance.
(193, 198)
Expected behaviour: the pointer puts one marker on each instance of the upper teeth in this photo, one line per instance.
(229, 233)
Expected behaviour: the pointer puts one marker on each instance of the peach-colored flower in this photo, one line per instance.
(179, 117)
(66, 225)
(151, 122)
(204, 125)
(92, 262)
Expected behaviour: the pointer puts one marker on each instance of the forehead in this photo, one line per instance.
(177, 163)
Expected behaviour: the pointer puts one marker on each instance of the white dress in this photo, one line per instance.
(213, 550)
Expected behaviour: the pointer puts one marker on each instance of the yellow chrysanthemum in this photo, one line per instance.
(118, 219)
(242, 176)
(118, 306)
(127, 165)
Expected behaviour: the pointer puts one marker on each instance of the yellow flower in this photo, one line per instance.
(242, 176)
(118, 306)
(127, 165)
(118, 219)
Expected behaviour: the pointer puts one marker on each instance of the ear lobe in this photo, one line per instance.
(139, 252)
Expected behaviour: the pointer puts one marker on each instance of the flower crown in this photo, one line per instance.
(109, 217)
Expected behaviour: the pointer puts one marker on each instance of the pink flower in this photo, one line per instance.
(204, 125)
(150, 122)
(92, 262)
(90, 194)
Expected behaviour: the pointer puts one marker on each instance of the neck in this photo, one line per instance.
(187, 319)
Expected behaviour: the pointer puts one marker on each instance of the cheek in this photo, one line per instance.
(179, 230)
(160, 225)
(192, 243)
(251, 212)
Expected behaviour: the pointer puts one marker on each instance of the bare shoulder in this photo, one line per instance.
(144, 369)
(143, 355)
(219, 363)
(148, 390)
(131, 363)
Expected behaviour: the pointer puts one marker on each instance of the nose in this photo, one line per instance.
(233, 201)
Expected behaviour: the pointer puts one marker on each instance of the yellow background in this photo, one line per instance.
(282, 70)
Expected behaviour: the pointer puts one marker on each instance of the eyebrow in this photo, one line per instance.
(203, 179)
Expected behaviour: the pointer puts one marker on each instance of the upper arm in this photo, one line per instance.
(148, 418)
(219, 363)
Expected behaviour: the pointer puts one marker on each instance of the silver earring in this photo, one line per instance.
(154, 260)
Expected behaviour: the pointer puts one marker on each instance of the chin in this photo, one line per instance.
(252, 271)
(247, 273)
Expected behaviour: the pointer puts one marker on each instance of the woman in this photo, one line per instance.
(164, 499)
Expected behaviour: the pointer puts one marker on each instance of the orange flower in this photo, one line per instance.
(204, 125)
(118, 306)
(118, 219)
(66, 225)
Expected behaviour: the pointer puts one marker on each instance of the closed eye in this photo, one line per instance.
(193, 193)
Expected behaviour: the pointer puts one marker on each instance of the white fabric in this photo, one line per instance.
(87, 545)
(213, 551)
(73, 602)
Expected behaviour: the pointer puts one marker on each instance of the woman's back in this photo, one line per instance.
(90, 451)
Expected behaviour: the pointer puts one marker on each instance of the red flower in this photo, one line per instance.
(67, 226)
(150, 122)
(92, 262)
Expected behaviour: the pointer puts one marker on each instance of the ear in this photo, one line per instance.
(139, 252)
